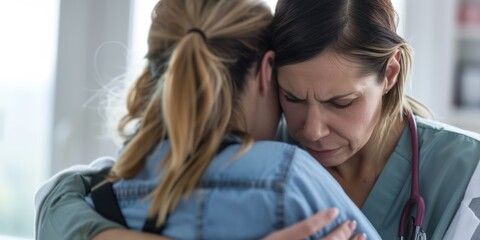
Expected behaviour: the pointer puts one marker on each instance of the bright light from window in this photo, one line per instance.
(272, 4)
(29, 33)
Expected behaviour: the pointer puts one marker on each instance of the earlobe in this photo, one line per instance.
(265, 73)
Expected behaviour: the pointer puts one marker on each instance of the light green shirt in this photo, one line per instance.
(65, 215)
(448, 158)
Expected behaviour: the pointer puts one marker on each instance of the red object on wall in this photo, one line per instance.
(469, 14)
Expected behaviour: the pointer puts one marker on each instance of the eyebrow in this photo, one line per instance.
(332, 99)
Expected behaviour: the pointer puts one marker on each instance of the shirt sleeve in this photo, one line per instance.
(65, 214)
(311, 188)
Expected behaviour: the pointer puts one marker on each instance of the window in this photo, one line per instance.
(29, 30)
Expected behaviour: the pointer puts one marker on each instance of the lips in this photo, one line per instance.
(322, 153)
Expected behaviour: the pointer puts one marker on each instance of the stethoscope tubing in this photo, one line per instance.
(415, 197)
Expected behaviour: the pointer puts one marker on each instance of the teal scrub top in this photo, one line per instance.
(448, 157)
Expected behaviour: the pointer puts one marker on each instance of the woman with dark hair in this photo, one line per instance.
(342, 71)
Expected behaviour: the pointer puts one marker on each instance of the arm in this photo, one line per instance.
(65, 215)
(316, 223)
(300, 230)
(124, 234)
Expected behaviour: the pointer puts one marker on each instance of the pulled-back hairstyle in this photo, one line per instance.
(190, 89)
(363, 32)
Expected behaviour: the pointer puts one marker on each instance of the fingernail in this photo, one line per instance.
(333, 213)
(352, 224)
(364, 236)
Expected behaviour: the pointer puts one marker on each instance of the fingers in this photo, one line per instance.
(344, 231)
(120, 234)
(306, 227)
(361, 236)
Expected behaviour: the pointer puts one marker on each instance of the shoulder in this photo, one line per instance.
(269, 165)
(264, 160)
(446, 141)
(94, 167)
(449, 153)
(436, 130)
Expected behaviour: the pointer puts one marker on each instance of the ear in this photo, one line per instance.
(392, 71)
(265, 73)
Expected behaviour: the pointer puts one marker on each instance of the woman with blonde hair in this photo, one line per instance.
(199, 165)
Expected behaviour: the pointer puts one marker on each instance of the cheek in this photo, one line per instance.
(358, 127)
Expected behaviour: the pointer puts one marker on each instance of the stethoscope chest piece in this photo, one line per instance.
(413, 232)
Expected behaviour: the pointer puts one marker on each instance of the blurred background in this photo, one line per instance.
(60, 58)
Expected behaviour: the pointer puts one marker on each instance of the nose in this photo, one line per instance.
(315, 126)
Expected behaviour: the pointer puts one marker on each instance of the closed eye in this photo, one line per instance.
(292, 99)
(343, 104)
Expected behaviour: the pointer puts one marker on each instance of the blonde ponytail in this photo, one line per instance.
(196, 107)
(193, 101)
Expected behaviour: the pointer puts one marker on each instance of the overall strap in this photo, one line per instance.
(150, 226)
(106, 203)
(104, 198)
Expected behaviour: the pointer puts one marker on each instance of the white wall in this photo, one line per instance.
(427, 26)
(92, 51)
(431, 28)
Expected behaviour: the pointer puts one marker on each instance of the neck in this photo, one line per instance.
(358, 174)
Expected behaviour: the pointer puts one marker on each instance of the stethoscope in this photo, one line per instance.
(412, 228)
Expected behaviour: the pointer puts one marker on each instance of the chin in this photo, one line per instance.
(329, 162)
(328, 159)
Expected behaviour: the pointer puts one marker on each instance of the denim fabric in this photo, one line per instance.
(271, 186)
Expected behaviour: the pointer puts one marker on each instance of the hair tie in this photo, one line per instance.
(199, 31)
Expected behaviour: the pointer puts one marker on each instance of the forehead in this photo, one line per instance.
(327, 73)
(326, 65)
